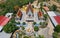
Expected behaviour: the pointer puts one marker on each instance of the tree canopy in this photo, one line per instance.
(8, 5)
(9, 28)
(53, 8)
(36, 28)
(57, 29)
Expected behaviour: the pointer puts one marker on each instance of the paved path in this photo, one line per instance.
(51, 28)
(47, 32)
(4, 35)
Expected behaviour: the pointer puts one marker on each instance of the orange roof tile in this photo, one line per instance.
(39, 14)
(19, 13)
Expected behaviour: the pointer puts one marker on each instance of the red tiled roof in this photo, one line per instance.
(57, 18)
(3, 20)
(39, 14)
(29, 7)
(19, 13)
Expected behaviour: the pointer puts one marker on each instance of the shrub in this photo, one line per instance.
(43, 24)
(45, 16)
(55, 35)
(23, 27)
(26, 37)
(57, 28)
(40, 23)
(10, 27)
(34, 23)
(36, 28)
(18, 22)
(41, 36)
(23, 23)
(53, 7)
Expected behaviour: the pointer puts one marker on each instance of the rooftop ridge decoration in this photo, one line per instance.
(29, 7)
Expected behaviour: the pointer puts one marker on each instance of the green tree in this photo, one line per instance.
(41, 6)
(24, 23)
(23, 27)
(41, 36)
(34, 23)
(53, 7)
(10, 27)
(55, 35)
(9, 5)
(36, 28)
(57, 29)
(31, 1)
(43, 24)
(40, 23)
(45, 16)
(17, 22)
(26, 37)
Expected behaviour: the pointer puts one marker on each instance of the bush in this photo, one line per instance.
(23, 27)
(34, 23)
(26, 37)
(41, 36)
(43, 24)
(57, 28)
(36, 28)
(55, 35)
(10, 4)
(18, 22)
(12, 20)
(45, 16)
(53, 7)
(40, 23)
(10, 27)
(41, 8)
(24, 23)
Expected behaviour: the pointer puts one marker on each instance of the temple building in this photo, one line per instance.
(29, 13)
(19, 14)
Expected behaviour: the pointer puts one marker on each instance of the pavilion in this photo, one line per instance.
(3, 21)
(55, 19)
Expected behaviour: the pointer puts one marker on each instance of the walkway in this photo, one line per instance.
(51, 28)
(5, 35)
